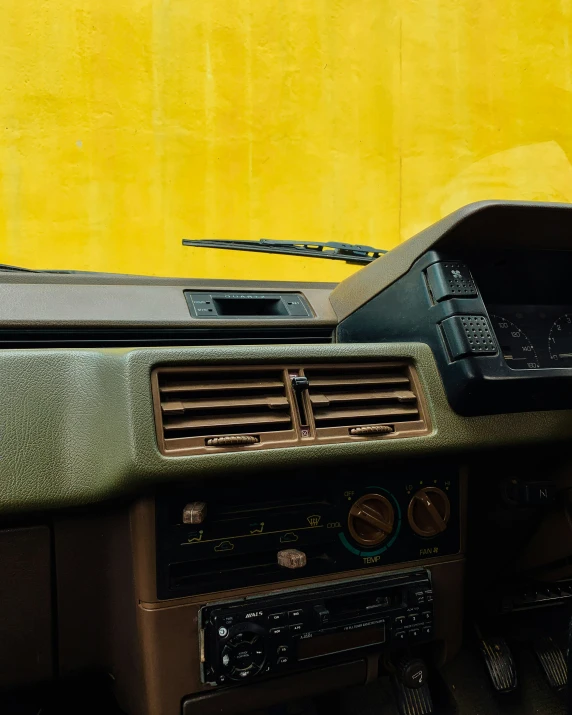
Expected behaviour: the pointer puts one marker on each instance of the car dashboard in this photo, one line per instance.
(217, 494)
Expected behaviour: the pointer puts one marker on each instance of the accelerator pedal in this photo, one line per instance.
(552, 662)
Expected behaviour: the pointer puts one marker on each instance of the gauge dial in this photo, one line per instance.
(560, 341)
(517, 350)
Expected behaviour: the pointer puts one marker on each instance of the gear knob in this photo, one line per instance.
(412, 672)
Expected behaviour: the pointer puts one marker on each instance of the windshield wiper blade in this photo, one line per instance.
(333, 250)
(7, 267)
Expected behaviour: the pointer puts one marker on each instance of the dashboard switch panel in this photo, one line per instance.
(469, 334)
(322, 523)
(450, 279)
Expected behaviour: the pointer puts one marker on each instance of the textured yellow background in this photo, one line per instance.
(127, 125)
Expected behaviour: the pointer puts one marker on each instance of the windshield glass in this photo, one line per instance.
(129, 126)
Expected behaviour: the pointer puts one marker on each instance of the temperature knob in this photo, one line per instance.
(370, 520)
(429, 511)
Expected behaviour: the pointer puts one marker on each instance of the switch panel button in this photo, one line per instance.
(469, 335)
(450, 279)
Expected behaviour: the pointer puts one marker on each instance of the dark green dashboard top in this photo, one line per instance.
(77, 426)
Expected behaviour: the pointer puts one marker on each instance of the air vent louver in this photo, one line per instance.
(217, 408)
(199, 409)
(346, 399)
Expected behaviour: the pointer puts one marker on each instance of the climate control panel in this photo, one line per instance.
(289, 527)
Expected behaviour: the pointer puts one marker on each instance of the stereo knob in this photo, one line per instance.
(370, 520)
(429, 511)
(244, 653)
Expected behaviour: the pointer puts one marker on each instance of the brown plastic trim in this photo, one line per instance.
(295, 436)
(26, 627)
(278, 690)
(107, 300)
(171, 652)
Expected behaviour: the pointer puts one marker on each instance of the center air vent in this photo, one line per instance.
(364, 400)
(209, 409)
(199, 409)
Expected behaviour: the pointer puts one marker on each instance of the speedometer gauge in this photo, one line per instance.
(560, 341)
(517, 350)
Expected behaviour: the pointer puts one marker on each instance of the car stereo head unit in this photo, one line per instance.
(241, 640)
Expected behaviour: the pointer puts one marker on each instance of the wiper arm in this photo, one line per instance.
(348, 252)
(18, 269)
(7, 268)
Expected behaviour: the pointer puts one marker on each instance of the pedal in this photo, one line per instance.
(552, 662)
(411, 687)
(413, 701)
(499, 663)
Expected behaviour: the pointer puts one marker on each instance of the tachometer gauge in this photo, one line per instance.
(517, 350)
(560, 341)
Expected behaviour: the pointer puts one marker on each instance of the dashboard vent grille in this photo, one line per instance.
(201, 410)
(206, 409)
(364, 401)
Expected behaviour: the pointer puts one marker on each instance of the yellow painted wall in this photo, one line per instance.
(127, 125)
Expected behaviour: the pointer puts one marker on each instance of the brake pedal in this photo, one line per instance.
(499, 663)
(552, 662)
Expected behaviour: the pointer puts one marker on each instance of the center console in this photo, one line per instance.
(251, 589)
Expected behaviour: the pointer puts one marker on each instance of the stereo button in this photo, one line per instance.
(278, 631)
(296, 615)
(244, 655)
(226, 657)
(283, 660)
(282, 649)
(296, 628)
(426, 615)
(277, 617)
(399, 636)
(322, 614)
